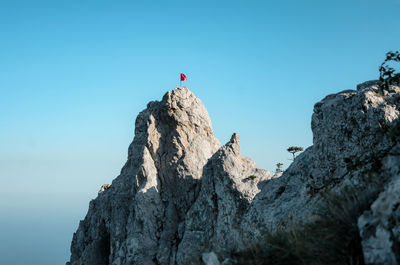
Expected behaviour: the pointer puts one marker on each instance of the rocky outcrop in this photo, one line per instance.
(229, 185)
(181, 195)
(136, 219)
(103, 188)
(350, 140)
(347, 129)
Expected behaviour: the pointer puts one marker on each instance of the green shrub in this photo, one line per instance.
(388, 75)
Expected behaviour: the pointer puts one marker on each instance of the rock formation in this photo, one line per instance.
(228, 187)
(136, 219)
(181, 198)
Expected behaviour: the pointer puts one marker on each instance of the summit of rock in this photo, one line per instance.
(139, 214)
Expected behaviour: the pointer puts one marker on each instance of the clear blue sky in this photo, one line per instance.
(74, 75)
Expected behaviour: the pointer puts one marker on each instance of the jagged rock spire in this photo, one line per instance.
(139, 215)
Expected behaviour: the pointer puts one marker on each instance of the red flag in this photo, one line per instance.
(183, 77)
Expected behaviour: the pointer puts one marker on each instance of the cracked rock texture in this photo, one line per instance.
(380, 226)
(229, 185)
(181, 195)
(136, 220)
(351, 133)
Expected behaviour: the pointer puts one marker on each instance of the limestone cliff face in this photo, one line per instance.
(181, 193)
(229, 184)
(136, 220)
(349, 139)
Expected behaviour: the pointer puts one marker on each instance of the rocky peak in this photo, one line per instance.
(143, 207)
(234, 144)
(181, 194)
(187, 110)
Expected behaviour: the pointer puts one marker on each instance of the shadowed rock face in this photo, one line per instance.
(181, 194)
(380, 226)
(229, 185)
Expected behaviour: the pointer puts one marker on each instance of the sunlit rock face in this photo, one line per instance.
(348, 126)
(136, 219)
(349, 138)
(182, 195)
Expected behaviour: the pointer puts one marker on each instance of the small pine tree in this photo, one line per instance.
(294, 149)
(278, 168)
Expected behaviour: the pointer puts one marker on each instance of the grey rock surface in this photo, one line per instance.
(380, 226)
(210, 258)
(229, 185)
(352, 137)
(347, 129)
(136, 219)
(282, 200)
(181, 194)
